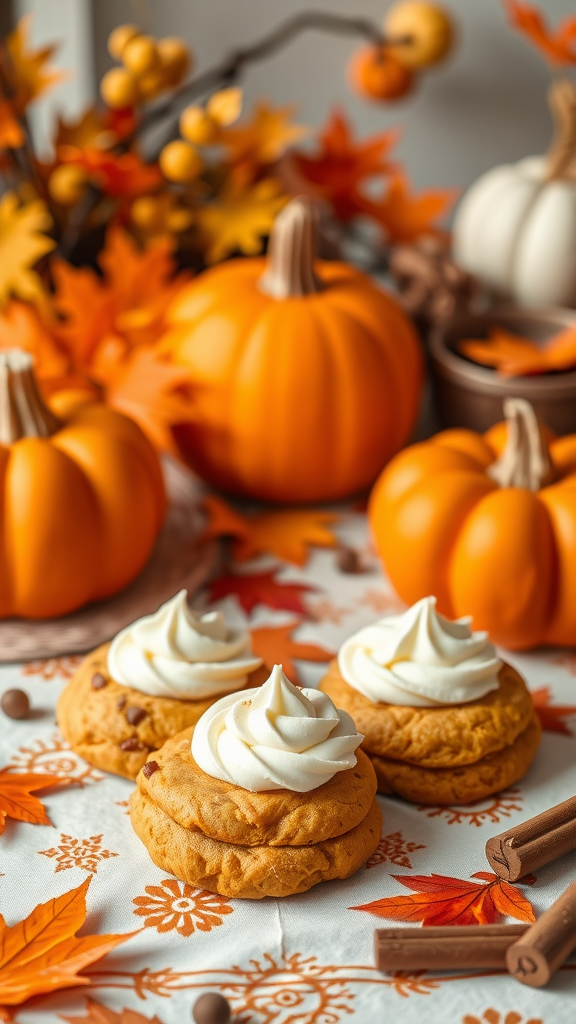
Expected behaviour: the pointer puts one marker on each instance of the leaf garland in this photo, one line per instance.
(274, 644)
(16, 796)
(287, 534)
(442, 900)
(43, 954)
(254, 588)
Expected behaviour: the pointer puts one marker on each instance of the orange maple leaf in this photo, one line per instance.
(286, 534)
(514, 356)
(23, 326)
(440, 899)
(552, 715)
(17, 801)
(11, 132)
(260, 141)
(117, 175)
(96, 1013)
(405, 216)
(42, 953)
(342, 164)
(254, 588)
(27, 71)
(275, 646)
(557, 46)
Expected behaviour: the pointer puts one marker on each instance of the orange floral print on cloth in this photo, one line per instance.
(324, 610)
(439, 899)
(393, 849)
(381, 601)
(495, 1017)
(54, 757)
(78, 853)
(96, 1013)
(53, 668)
(179, 906)
(494, 808)
(552, 716)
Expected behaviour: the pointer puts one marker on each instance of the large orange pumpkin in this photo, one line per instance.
(81, 497)
(306, 376)
(487, 523)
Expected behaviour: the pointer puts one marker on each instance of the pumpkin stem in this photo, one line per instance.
(525, 461)
(291, 252)
(22, 410)
(562, 154)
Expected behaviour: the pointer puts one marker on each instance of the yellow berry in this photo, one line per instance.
(175, 60)
(151, 85)
(118, 89)
(140, 56)
(180, 162)
(225, 106)
(118, 39)
(67, 184)
(197, 127)
(424, 32)
(179, 220)
(147, 213)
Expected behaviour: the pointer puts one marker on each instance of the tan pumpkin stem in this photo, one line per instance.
(292, 251)
(525, 461)
(562, 154)
(22, 410)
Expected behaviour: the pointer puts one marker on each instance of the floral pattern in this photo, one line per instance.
(53, 668)
(178, 906)
(494, 808)
(395, 849)
(54, 757)
(494, 1017)
(78, 853)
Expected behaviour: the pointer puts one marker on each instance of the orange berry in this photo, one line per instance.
(180, 162)
(151, 85)
(119, 38)
(179, 220)
(197, 127)
(175, 60)
(140, 56)
(425, 29)
(118, 89)
(147, 213)
(377, 75)
(67, 184)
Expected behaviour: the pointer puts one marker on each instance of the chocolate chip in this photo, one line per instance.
(132, 743)
(348, 561)
(15, 704)
(150, 767)
(135, 714)
(99, 681)
(212, 1008)
(121, 703)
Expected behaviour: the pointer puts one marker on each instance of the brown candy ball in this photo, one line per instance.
(348, 560)
(15, 703)
(212, 1008)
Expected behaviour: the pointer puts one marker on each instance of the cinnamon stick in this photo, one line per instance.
(441, 947)
(544, 947)
(535, 842)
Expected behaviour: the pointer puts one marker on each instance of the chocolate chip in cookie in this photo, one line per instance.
(132, 743)
(134, 714)
(98, 681)
(150, 767)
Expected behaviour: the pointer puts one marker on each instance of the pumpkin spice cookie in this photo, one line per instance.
(268, 799)
(157, 677)
(444, 720)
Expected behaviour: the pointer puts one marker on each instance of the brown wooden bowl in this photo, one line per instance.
(468, 395)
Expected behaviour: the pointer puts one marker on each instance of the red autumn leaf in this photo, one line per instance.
(552, 715)
(17, 801)
(405, 216)
(275, 646)
(124, 175)
(43, 954)
(256, 588)
(96, 1013)
(557, 46)
(286, 534)
(440, 899)
(342, 164)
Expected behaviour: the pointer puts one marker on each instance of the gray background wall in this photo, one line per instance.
(486, 106)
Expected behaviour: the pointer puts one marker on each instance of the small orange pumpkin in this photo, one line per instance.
(375, 73)
(82, 497)
(487, 523)
(306, 376)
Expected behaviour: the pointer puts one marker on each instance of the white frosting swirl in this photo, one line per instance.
(420, 659)
(174, 653)
(276, 736)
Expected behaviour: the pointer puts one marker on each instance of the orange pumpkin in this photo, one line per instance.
(82, 497)
(375, 73)
(306, 376)
(487, 523)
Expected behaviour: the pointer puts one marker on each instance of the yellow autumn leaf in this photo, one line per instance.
(240, 219)
(225, 106)
(22, 244)
(30, 73)
(265, 137)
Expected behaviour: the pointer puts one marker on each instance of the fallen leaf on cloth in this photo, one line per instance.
(256, 588)
(552, 715)
(274, 644)
(17, 801)
(42, 953)
(286, 534)
(439, 899)
(96, 1013)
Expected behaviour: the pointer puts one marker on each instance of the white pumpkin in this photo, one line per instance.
(515, 228)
